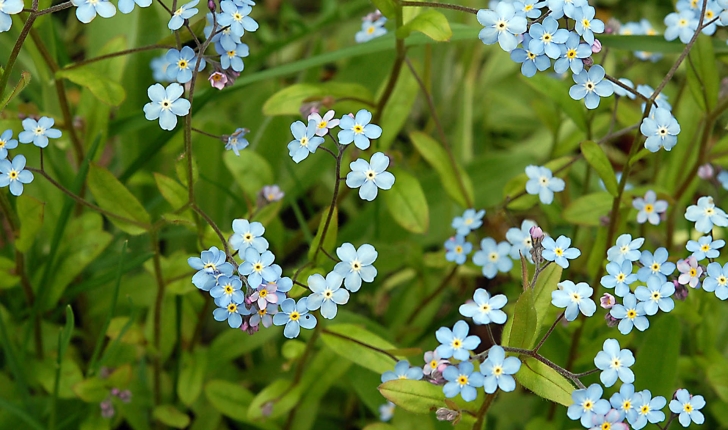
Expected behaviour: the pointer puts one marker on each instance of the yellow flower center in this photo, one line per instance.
(497, 370)
(463, 380)
(433, 364)
(631, 314)
(585, 22)
(456, 344)
(358, 129)
(294, 316)
(263, 293)
(458, 249)
(687, 407)
(13, 174)
(649, 208)
(304, 141)
(493, 256)
(705, 248)
(571, 54)
(232, 308)
(693, 272)
(228, 289)
(322, 124)
(559, 252)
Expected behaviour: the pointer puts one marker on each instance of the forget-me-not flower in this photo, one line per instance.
(186, 11)
(358, 129)
(209, 265)
(7, 8)
(575, 298)
(614, 363)
(649, 208)
(529, 8)
(542, 183)
(586, 25)
(371, 30)
(402, 370)
(682, 25)
(705, 247)
(86, 10)
(625, 249)
(559, 8)
(492, 257)
(705, 215)
(433, 364)
(520, 240)
(456, 343)
(619, 277)
(232, 58)
(294, 316)
(370, 177)
(264, 315)
(13, 174)
(688, 406)
(471, 220)
(572, 54)
(356, 265)
(656, 295)
(655, 265)
(587, 402)
(530, 62)
(547, 37)
(631, 314)
(661, 130)
(590, 86)
(265, 295)
(326, 294)
(612, 420)
(648, 409)
(231, 312)
(166, 105)
(625, 401)
(717, 280)
(559, 250)
(690, 271)
(248, 234)
(227, 290)
(257, 267)
(237, 141)
(498, 370)
(325, 123)
(39, 131)
(485, 309)
(7, 142)
(182, 63)
(462, 379)
(305, 140)
(236, 16)
(501, 25)
(457, 249)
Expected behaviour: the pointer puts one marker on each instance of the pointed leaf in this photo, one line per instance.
(30, 213)
(100, 85)
(192, 375)
(545, 284)
(228, 398)
(387, 7)
(172, 191)
(22, 83)
(406, 202)
(171, 416)
(545, 381)
(67, 331)
(431, 23)
(113, 196)
(597, 158)
(588, 210)
(288, 101)
(359, 346)
(420, 397)
(520, 330)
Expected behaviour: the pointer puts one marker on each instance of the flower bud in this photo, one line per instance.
(681, 291)
(588, 61)
(536, 233)
(211, 5)
(706, 171)
(445, 414)
(596, 46)
(607, 301)
(611, 321)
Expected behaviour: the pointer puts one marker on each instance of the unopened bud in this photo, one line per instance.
(596, 46)
(536, 233)
(588, 61)
(706, 171)
(607, 301)
(309, 108)
(211, 5)
(681, 291)
(445, 414)
(611, 321)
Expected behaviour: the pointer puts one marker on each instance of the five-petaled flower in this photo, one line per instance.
(358, 129)
(559, 250)
(705, 247)
(587, 403)
(166, 105)
(456, 343)
(485, 309)
(493, 257)
(660, 129)
(590, 86)
(614, 363)
(182, 63)
(542, 182)
(402, 370)
(13, 174)
(305, 140)
(501, 25)
(705, 215)
(356, 265)
(370, 177)
(294, 316)
(498, 370)
(688, 407)
(462, 379)
(649, 208)
(87, 9)
(38, 132)
(575, 298)
(326, 294)
(186, 11)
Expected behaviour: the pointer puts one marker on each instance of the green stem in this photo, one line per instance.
(333, 205)
(116, 54)
(483, 410)
(440, 5)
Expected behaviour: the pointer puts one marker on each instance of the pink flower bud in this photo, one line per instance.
(218, 80)
(596, 46)
(211, 5)
(536, 232)
(607, 301)
(706, 171)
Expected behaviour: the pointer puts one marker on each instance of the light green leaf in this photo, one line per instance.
(92, 390)
(250, 170)
(545, 381)
(589, 209)
(228, 398)
(279, 395)
(520, 329)
(702, 71)
(8, 278)
(597, 158)
(329, 240)
(191, 376)
(436, 156)
(431, 23)
(558, 91)
(718, 378)
(171, 416)
(22, 83)
(380, 426)
(45, 374)
(67, 332)
(113, 196)
(387, 7)
(420, 397)
(100, 85)
(398, 108)
(545, 284)
(172, 191)
(406, 202)
(30, 213)
(288, 101)
(359, 346)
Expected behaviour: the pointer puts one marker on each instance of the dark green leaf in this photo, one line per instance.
(702, 72)
(406, 202)
(558, 91)
(172, 191)
(545, 284)
(229, 398)
(288, 101)
(67, 332)
(597, 158)
(431, 23)
(661, 340)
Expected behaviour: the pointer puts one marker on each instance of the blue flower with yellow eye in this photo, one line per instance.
(294, 316)
(182, 63)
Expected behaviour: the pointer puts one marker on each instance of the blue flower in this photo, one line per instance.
(358, 129)
(356, 265)
(529, 8)
(471, 220)
(655, 265)
(457, 249)
(717, 280)
(462, 379)
(264, 315)
(166, 105)
(246, 235)
(625, 249)
(386, 411)
(181, 64)
(456, 343)
(501, 25)
(547, 38)
(38, 132)
(369, 177)
(371, 30)
(305, 140)
(492, 257)
(485, 309)
(294, 316)
(575, 298)
(402, 370)
(660, 100)
(186, 11)
(126, 6)
(590, 86)
(257, 267)
(222, 36)
(705, 215)
(649, 208)
(614, 363)
(530, 62)
(520, 240)
(159, 68)
(326, 294)
(631, 314)
(237, 142)
(542, 182)
(705, 247)
(14, 175)
(572, 54)
(625, 401)
(87, 9)
(559, 251)
(688, 407)
(232, 58)
(682, 25)
(661, 130)
(230, 312)
(209, 265)
(498, 370)
(611, 420)
(620, 277)
(559, 8)
(587, 402)
(586, 25)
(227, 290)
(7, 8)
(236, 16)
(648, 409)
(621, 92)
(656, 295)
(7, 142)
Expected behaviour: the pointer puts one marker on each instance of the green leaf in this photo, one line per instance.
(431, 23)
(589, 209)
(279, 394)
(514, 193)
(67, 332)
(228, 398)
(661, 340)
(288, 101)
(250, 170)
(387, 7)
(191, 376)
(22, 83)
(113, 196)
(558, 91)
(597, 158)
(545, 381)
(30, 213)
(545, 284)
(380, 426)
(45, 374)
(398, 108)
(702, 71)
(171, 416)
(329, 240)
(100, 85)
(359, 346)
(520, 329)
(181, 168)
(718, 378)
(420, 397)
(91, 390)
(172, 191)
(406, 202)
(8, 277)
(436, 156)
